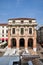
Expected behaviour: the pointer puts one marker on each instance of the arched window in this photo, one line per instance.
(30, 30)
(30, 42)
(13, 30)
(22, 30)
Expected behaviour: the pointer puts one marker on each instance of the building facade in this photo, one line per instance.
(3, 32)
(22, 33)
(40, 35)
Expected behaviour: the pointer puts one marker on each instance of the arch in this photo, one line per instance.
(21, 42)
(13, 41)
(2, 39)
(30, 42)
(6, 40)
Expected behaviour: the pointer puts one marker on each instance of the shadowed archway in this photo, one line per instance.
(13, 41)
(22, 42)
(30, 42)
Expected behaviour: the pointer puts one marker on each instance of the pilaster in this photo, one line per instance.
(9, 40)
(17, 44)
(26, 44)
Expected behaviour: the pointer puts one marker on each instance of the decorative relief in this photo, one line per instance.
(17, 29)
(26, 29)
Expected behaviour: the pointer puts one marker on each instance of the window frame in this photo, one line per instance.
(22, 31)
(2, 31)
(30, 30)
(6, 31)
(13, 30)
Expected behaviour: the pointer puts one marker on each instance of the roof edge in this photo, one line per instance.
(22, 19)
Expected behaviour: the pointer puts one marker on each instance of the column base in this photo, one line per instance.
(17, 48)
(26, 50)
(9, 48)
(17, 51)
(34, 49)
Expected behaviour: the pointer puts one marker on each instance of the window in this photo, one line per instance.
(6, 31)
(21, 21)
(2, 31)
(30, 30)
(13, 21)
(13, 30)
(30, 21)
(22, 30)
(2, 35)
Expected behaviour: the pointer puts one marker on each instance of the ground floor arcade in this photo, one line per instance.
(22, 42)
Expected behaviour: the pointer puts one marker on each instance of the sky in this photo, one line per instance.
(20, 9)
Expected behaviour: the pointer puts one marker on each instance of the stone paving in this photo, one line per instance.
(35, 61)
(39, 51)
(32, 52)
(19, 51)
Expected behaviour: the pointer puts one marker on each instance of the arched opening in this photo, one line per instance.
(22, 42)
(2, 39)
(6, 40)
(30, 43)
(13, 40)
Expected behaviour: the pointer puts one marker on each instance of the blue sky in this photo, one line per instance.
(21, 8)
